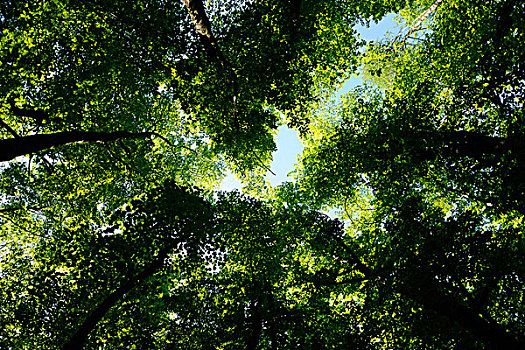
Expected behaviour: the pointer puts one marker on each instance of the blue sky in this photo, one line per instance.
(287, 140)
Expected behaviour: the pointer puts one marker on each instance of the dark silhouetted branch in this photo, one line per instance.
(79, 338)
(12, 148)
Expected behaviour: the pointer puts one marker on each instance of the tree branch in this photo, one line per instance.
(12, 148)
(173, 145)
(264, 165)
(360, 266)
(8, 128)
(79, 338)
(38, 115)
(11, 209)
(456, 144)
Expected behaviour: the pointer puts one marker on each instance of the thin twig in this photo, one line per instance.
(361, 267)
(118, 159)
(263, 165)
(6, 217)
(6, 210)
(125, 148)
(29, 166)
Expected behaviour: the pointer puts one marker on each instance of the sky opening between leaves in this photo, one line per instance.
(289, 146)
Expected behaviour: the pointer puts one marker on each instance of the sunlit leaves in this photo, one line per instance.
(423, 165)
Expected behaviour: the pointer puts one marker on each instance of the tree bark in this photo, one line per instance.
(79, 338)
(255, 323)
(12, 148)
(203, 27)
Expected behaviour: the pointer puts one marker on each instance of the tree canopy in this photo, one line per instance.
(403, 226)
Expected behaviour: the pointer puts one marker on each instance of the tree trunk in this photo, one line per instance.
(79, 338)
(255, 323)
(12, 148)
(203, 27)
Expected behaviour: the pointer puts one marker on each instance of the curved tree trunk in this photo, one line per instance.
(79, 338)
(203, 27)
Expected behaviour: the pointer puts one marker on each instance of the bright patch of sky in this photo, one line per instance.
(289, 146)
(230, 182)
(378, 30)
(288, 149)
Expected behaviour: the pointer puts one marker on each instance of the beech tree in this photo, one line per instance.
(106, 100)
(427, 167)
(119, 120)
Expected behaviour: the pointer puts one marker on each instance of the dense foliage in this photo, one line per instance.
(119, 120)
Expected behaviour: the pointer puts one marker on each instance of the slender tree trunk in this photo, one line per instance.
(255, 322)
(420, 20)
(12, 148)
(203, 27)
(79, 338)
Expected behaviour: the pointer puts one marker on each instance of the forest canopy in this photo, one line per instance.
(402, 227)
